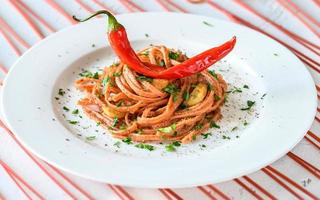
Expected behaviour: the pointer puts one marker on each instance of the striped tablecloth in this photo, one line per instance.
(295, 24)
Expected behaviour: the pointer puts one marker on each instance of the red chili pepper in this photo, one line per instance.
(120, 44)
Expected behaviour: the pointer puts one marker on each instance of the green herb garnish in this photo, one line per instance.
(207, 23)
(144, 78)
(186, 95)
(116, 74)
(98, 123)
(198, 127)
(225, 137)
(214, 125)
(145, 146)
(115, 121)
(72, 122)
(234, 128)
(172, 89)
(119, 103)
(117, 144)
(246, 86)
(217, 98)
(263, 96)
(105, 81)
(89, 74)
(245, 123)
(168, 129)
(146, 34)
(210, 87)
(206, 135)
(61, 92)
(65, 108)
(127, 140)
(75, 112)
(170, 148)
(90, 138)
(249, 104)
(123, 126)
(213, 73)
(173, 55)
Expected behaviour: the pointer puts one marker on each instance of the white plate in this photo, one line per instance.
(277, 122)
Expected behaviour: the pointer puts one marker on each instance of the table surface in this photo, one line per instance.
(17, 159)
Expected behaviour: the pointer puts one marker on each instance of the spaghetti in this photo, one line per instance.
(146, 109)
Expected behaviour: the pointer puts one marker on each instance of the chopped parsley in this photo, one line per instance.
(214, 125)
(168, 129)
(117, 144)
(66, 109)
(225, 137)
(236, 89)
(90, 138)
(202, 145)
(206, 135)
(123, 126)
(145, 146)
(57, 98)
(127, 140)
(210, 87)
(275, 54)
(198, 126)
(213, 73)
(117, 74)
(176, 143)
(246, 86)
(144, 78)
(249, 104)
(75, 112)
(115, 121)
(72, 122)
(172, 89)
(89, 74)
(263, 96)
(173, 55)
(207, 23)
(98, 123)
(139, 131)
(105, 81)
(182, 106)
(170, 148)
(234, 128)
(146, 34)
(245, 123)
(61, 92)
(217, 98)
(186, 95)
(194, 137)
(119, 103)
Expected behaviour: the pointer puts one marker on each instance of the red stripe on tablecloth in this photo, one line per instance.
(170, 193)
(313, 136)
(5, 26)
(86, 7)
(35, 29)
(14, 176)
(163, 5)
(281, 183)
(257, 196)
(305, 14)
(316, 145)
(60, 10)
(35, 15)
(294, 36)
(317, 2)
(312, 169)
(36, 161)
(287, 6)
(130, 6)
(256, 185)
(104, 6)
(19, 186)
(3, 69)
(86, 194)
(289, 180)
(250, 25)
(219, 192)
(207, 193)
(10, 42)
(121, 193)
(176, 6)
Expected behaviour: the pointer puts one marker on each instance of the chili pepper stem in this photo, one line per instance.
(113, 24)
